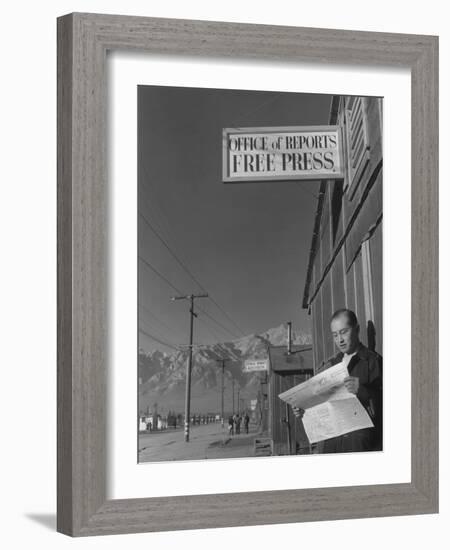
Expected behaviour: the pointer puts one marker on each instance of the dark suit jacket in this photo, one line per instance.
(367, 366)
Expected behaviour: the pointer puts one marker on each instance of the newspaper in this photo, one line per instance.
(330, 410)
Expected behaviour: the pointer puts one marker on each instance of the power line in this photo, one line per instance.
(213, 332)
(188, 271)
(226, 315)
(180, 292)
(171, 252)
(143, 188)
(172, 286)
(162, 323)
(155, 330)
(160, 275)
(217, 322)
(152, 337)
(153, 214)
(229, 353)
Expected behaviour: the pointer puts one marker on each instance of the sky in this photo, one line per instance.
(245, 244)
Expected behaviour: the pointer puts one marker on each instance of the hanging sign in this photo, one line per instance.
(254, 365)
(282, 153)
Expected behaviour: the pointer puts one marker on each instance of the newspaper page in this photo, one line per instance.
(330, 410)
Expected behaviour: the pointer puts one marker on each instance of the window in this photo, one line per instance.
(357, 141)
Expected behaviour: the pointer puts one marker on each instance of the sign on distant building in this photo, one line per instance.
(282, 153)
(253, 403)
(253, 365)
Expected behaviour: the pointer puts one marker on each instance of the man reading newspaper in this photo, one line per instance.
(364, 380)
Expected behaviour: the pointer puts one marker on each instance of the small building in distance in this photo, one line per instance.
(346, 256)
(288, 368)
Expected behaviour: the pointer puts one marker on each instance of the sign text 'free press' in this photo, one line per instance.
(282, 153)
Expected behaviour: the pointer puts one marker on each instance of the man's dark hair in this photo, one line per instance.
(351, 316)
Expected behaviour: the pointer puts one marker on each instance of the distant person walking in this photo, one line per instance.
(246, 422)
(237, 423)
(230, 425)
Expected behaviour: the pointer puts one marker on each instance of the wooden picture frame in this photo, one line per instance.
(83, 41)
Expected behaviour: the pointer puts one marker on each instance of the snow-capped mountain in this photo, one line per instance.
(162, 376)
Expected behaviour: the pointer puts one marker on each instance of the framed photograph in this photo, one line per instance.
(247, 225)
(256, 349)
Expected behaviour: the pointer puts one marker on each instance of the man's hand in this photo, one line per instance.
(298, 412)
(352, 384)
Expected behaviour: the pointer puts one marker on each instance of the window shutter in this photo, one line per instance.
(358, 148)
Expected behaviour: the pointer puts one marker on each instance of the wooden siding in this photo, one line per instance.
(286, 431)
(351, 215)
(283, 422)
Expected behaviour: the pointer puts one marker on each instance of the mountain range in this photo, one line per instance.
(162, 376)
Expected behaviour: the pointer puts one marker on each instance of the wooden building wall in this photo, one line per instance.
(347, 260)
(285, 373)
(283, 420)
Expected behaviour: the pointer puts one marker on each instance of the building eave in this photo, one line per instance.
(334, 108)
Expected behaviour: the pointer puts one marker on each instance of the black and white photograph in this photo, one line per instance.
(223, 241)
(259, 273)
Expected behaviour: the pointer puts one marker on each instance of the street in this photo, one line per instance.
(205, 441)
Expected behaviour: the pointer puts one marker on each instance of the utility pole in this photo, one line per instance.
(223, 386)
(289, 338)
(187, 404)
(232, 385)
(155, 417)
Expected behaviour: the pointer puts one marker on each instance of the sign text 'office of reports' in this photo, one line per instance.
(282, 153)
